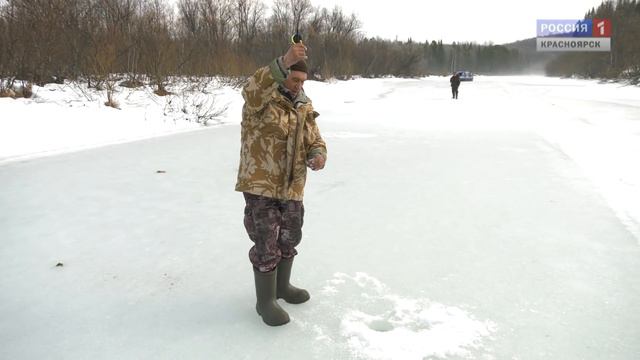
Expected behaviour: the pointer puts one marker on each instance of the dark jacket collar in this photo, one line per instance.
(300, 99)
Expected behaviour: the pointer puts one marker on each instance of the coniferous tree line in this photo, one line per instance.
(102, 41)
(624, 59)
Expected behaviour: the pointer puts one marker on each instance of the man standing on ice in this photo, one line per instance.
(279, 140)
(455, 84)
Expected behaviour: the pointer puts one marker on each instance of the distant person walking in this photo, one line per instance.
(455, 84)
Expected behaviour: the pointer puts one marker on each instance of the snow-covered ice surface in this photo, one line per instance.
(503, 225)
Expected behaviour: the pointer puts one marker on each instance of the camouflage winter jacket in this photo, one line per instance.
(278, 136)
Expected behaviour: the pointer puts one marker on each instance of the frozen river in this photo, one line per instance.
(503, 225)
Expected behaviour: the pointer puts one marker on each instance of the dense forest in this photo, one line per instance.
(152, 40)
(55, 39)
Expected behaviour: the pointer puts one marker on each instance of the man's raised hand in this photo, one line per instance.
(295, 53)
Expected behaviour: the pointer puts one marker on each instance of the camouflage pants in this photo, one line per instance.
(275, 227)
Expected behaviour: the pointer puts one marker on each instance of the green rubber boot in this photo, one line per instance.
(286, 291)
(266, 305)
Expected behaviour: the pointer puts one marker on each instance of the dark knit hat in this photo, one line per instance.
(299, 66)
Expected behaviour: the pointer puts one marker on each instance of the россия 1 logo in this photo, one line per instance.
(574, 35)
(602, 28)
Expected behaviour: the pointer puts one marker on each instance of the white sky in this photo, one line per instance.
(497, 21)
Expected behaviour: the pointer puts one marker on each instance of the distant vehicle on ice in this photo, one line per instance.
(465, 75)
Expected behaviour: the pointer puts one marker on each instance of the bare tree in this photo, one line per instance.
(249, 23)
(157, 46)
(301, 9)
(189, 16)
